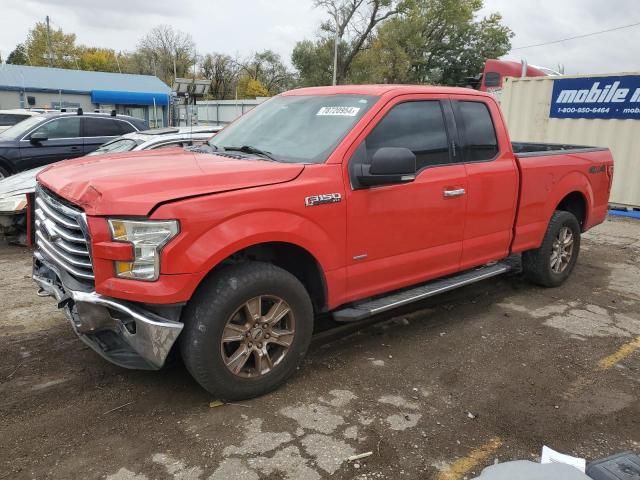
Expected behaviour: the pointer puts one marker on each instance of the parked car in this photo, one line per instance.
(158, 138)
(8, 118)
(51, 137)
(15, 189)
(348, 200)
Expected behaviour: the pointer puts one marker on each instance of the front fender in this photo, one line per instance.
(253, 228)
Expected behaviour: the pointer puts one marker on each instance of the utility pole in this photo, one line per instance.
(49, 43)
(175, 75)
(335, 47)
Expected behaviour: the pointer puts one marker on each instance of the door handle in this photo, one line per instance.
(75, 149)
(454, 193)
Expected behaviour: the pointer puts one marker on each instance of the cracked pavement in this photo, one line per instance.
(422, 388)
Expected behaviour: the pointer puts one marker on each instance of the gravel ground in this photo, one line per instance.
(489, 372)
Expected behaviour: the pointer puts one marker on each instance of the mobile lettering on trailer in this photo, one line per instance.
(596, 97)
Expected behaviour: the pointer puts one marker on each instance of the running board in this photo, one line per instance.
(361, 310)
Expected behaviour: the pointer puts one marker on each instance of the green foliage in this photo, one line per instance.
(54, 48)
(352, 26)
(97, 59)
(18, 56)
(313, 61)
(251, 88)
(428, 41)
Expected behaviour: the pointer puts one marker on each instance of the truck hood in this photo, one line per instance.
(134, 183)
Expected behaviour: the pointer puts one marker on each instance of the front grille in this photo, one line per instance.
(62, 235)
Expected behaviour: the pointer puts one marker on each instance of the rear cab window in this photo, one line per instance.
(476, 131)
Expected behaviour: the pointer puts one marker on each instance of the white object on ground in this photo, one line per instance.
(551, 456)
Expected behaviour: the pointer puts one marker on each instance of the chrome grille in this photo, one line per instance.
(61, 234)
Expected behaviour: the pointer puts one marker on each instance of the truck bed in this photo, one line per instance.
(548, 174)
(532, 149)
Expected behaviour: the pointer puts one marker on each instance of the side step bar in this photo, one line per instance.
(361, 310)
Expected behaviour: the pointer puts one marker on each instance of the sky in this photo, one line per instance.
(240, 27)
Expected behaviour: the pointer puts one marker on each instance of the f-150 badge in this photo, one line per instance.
(314, 200)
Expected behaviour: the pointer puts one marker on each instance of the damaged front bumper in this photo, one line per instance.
(124, 333)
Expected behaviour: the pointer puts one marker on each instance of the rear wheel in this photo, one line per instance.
(246, 330)
(552, 263)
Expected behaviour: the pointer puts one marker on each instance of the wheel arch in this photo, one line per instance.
(572, 193)
(576, 204)
(4, 163)
(291, 257)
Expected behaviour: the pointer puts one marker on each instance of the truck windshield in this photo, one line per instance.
(296, 128)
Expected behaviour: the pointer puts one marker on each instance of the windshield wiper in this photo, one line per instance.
(252, 150)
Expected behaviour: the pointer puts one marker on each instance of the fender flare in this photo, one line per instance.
(249, 229)
(568, 184)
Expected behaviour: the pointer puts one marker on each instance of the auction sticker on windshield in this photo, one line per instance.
(339, 111)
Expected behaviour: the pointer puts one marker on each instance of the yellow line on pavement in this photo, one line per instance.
(622, 353)
(463, 466)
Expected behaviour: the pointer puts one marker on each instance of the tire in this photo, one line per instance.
(539, 266)
(4, 173)
(222, 308)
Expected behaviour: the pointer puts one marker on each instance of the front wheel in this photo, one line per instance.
(552, 263)
(246, 330)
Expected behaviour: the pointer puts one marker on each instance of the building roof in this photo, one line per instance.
(18, 77)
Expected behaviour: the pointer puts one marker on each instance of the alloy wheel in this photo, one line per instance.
(562, 250)
(257, 336)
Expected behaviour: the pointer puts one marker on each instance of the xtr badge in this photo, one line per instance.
(314, 200)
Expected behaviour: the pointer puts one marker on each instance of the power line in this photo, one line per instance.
(578, 36)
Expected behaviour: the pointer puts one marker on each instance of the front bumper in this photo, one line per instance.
(124, 333)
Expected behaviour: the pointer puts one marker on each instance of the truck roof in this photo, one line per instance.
(379, 90)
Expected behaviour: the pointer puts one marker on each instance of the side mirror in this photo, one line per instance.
(38, 137)
(389, 165)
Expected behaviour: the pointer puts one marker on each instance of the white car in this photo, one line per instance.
(14, 189)
(158, 138)
(8, 118)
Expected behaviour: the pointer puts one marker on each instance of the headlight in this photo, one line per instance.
(13, 204)
(147, 237)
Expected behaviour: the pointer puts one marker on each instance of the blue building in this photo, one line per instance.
(142, 96)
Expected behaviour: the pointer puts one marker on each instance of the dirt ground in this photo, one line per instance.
(488, 373)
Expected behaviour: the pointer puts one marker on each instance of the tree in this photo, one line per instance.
(269, 70)
(429, 41)
(18, 56)
(97, 59)
(251, 88)
(439, 41)
(51, 48)
(313, 61)
(162, 48)
(352, 24)
(223, 72)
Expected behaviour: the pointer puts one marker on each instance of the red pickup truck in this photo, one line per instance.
(349, 200)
